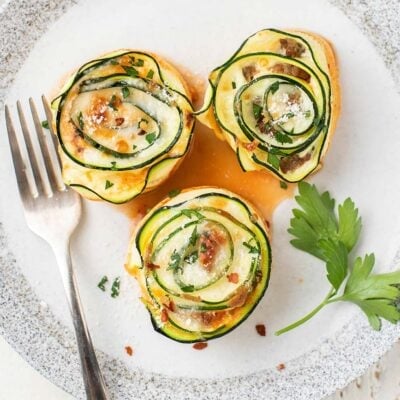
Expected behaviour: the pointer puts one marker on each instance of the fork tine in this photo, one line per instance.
(19, 164)
(40, 185)
(53, 135)
(52, 171)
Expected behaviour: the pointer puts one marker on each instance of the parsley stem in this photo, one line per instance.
(308, 316)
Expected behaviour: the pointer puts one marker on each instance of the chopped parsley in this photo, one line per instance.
(173, 193)
(233, 85)
(113, 166)
(108, 184)
(192, 257)
(307, 114)
(252, 249)
(101, 284)
(137, 63)
(151, 137)
(175, 261)
(283, 185)
(150, 74)
(283, 137)
(274, 87)
(131, 71)
(115, 287)
(114, 62)
(273, 159)
(112, 102)
(257, 111)
(125, 92)
(45, 124)
(193, 237)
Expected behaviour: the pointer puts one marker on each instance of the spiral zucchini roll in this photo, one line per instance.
(202, 260)
(124, 122)
(276, 101)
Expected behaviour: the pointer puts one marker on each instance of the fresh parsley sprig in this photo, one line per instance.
(319, 231)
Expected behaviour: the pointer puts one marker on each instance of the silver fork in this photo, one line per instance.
(52, 211)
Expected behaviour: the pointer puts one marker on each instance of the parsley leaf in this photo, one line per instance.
(131, 71)
(175, 261)
(257, 111)
(193, 237)
(150, 74)
(274, 87)
(349, 224)
(125, 92)
(377, 295)
(45, 124)
(192, 257)
(319, 231)
(283, 137)
(252, 249)
(101, 284)
(151, 137)
(273, 159)
(115, 287)
(283, 185)
(80, 121)
(108, 184)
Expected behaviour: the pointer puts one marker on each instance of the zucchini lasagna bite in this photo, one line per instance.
(276, 102)
(124, 123)
(202, 260)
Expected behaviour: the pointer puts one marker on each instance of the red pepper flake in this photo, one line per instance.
(250, 146)
(260, 328)
(170, 306)
(200, 345)
(152, 266)
(119, 121)
(281, 367)
(129, 350)
(233, 277)
(164, 315)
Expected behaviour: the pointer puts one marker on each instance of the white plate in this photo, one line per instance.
(362, 163)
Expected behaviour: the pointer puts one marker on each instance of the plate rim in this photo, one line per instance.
(48, 346)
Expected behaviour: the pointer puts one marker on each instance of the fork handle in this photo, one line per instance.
(92, 376)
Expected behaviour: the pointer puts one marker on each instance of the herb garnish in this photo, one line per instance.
(101, 284)
(115, 287)
(114, 62)
(175, 261)
(319, 231)
(257, 111)
(151, 137)
(173, 193)
(142, 120)
(252, 249)
(283, 185)
(307, 114)
(45, 124)
(193, 237)
(112, 102)
(131, 71)
(113, 166)
(192, 257)
(274, 87)
(282, 137)
(125, 92)
(137, 63)
(273, 159)
(108, 184)
(233, 85)
(150, 74)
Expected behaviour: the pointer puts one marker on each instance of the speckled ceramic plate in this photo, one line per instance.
(40, 42)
